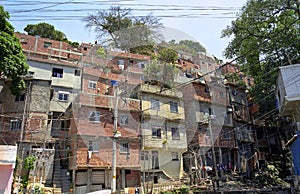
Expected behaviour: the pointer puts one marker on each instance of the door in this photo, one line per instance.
(155, 163)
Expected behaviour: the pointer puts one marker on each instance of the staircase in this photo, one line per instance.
(61, 179)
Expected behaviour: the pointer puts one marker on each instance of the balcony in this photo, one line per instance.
(202, 117)
(159, 90)
(106, 101)
(288, 89)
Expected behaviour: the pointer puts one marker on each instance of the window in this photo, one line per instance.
(141, 65)
(173, 107)
(234, 92)
(20, 98)
(85, 48)
(124, 119)
(77, 72)
(120, 62)
(92, 85)
(57, 72)
(124, 148)
(93, 146)
(175, 133)
(144, 155)
(15, 125)
(206, 89)
(30, 74)
(121, 65)
(175, 156)
(63, 96)
(226, 134)
(94, 116)
(155, 104)
(47, 44)
(23, 41)
(222, 94)
(156, 132)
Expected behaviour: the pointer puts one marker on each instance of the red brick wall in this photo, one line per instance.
(28, 43)
(103, 158)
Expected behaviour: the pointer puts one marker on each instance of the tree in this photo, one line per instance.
(187, 46)
(119, 26)
(167, 55)
(12, 60)
(194, 46)
(266, 35)
(46, 30)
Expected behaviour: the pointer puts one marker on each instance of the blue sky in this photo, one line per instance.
(199, 20)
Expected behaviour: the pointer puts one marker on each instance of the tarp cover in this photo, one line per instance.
(295, 147)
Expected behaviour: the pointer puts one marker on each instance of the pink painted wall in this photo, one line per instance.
(6, 178)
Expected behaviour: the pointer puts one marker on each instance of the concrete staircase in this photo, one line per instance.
(61, 178)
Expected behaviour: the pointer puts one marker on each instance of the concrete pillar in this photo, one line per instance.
(74, 180)
(123, 178)
(89, 180)
(107, 178)
(220, 156)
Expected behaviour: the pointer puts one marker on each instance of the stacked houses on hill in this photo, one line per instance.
(76, 104)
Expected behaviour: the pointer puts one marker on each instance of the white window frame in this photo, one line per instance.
(92, 85)
(65, 96)
(154, 104)
(93, 146)
(122, 121)
(142, 64)
(144, 155)
(94, 118)
(15, 124)
(124, 147)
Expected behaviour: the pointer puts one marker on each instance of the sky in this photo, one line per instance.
(197, 20)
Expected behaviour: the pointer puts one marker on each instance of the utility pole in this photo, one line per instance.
(115, 135)
(21, 146)
(213, 152)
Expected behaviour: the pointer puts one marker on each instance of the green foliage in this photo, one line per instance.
(44, 30)
(36, 190)
(29, 163)
(161, 74)
(24, 182)
(167, 55)
(194, 46)
(235, 78)
(153, 70)
(101, 52)
(144, 50)
(187, 46)
(266, 35)
(120, 27)
(12, 60)
(269, 175)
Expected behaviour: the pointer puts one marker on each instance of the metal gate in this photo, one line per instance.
(81, 178)
(98, 176)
